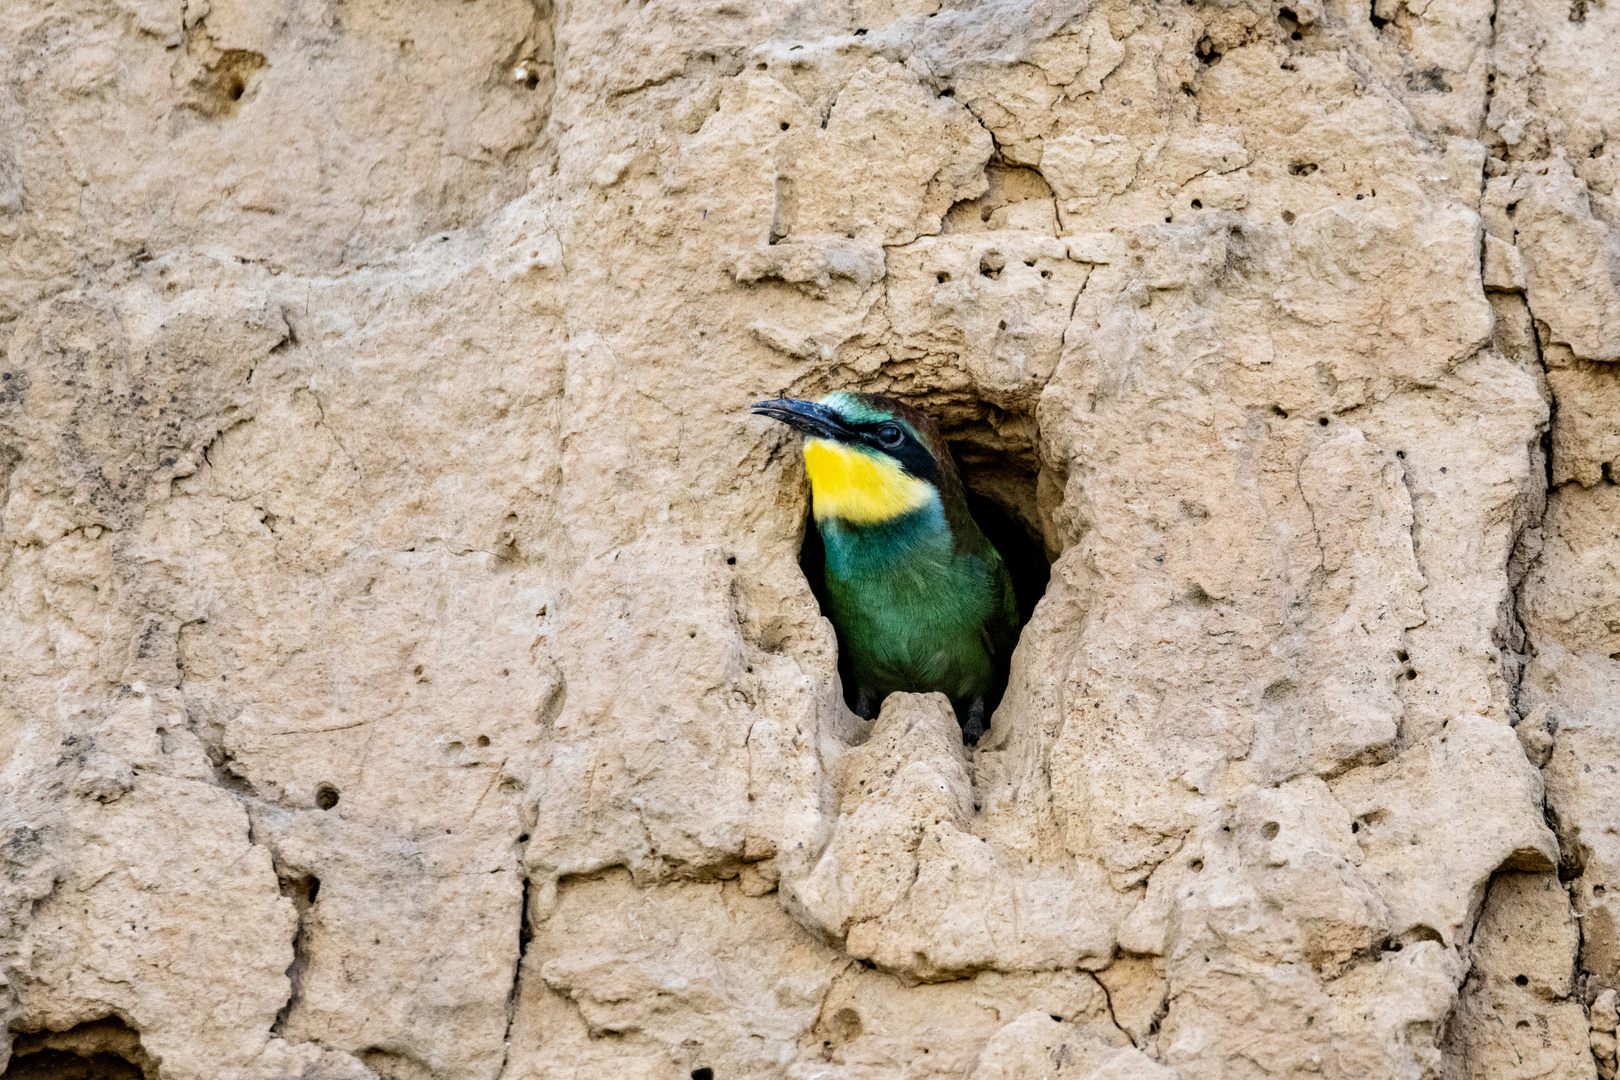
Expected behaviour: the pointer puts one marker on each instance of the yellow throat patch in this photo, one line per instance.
(858, 486)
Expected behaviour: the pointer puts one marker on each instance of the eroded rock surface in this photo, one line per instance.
(409, 670)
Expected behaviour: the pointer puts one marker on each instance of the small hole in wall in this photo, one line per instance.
(1196, 866)
(994, 454)
(1269, 830)
(786, 125)
(326, 796)
(1401, 655)
(1521, 980)
(1324, 421)
(703, 1074)
(1198, 204)
(1599, 891)
(105, 1049)
(845, 1026)
(1288, 217)
(483, 740)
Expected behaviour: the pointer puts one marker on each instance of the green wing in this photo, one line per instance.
(1000, 629)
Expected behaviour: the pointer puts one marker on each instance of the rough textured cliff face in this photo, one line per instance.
(408, 670)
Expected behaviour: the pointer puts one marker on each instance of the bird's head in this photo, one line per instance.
(871, 458)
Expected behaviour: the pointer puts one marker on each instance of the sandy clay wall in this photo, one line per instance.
(406, 668)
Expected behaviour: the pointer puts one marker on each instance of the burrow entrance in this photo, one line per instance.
(995, 454)
(106, 1049)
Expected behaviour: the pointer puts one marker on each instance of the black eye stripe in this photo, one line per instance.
(877, 426)
(910, 451)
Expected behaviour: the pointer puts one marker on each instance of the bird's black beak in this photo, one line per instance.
(809, 417)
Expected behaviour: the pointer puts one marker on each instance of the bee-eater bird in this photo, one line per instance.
(920, 599)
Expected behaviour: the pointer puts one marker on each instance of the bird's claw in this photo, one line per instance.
(974, 727)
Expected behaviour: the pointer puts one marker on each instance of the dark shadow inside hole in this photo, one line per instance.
(1023, 554)
(62, 1065)
(105, 1049)
(1011, 529)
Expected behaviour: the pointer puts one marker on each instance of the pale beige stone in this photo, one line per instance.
(1571, 255)
(408, 669)
(1515, 1015)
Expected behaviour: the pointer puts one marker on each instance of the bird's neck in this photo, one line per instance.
(858, 550)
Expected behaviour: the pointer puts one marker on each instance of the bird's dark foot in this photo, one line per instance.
(974, 726)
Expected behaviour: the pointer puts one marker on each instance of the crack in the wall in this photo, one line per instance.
(1108, 999)
(515, 995)
(302, 889)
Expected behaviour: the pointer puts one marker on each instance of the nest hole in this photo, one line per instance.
(105, 1049)
(999, 479)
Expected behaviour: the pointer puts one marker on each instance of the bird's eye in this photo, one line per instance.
(889, 435)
